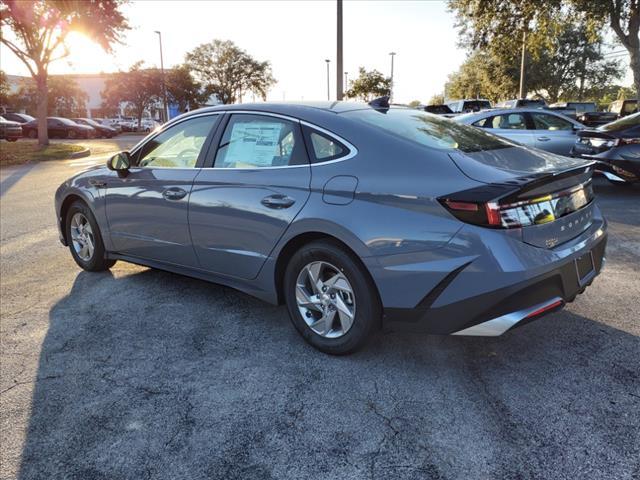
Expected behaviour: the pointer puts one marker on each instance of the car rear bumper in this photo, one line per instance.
(513, 303)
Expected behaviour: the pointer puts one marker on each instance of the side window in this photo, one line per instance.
(178, 146)
(484, 123)
(544, 121)
(509, 121)
(258, 141)
(323, 147)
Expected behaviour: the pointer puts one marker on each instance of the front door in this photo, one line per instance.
(147, 209)
(258, 183)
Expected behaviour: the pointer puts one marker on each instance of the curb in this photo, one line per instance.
(81, 154)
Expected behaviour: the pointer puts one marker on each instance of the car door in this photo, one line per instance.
(512, 126)
(553, 133)
(147, 208)
(257, 183)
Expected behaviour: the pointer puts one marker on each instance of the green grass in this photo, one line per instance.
(23, 151)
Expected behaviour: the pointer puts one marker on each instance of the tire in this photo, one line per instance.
(12, 139)
(97, 260)
(33, 134)
(71, 134)
(330, 260)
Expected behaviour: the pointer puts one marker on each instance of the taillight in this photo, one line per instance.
(532, 211)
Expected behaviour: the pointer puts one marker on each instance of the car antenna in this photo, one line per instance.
(380, 102)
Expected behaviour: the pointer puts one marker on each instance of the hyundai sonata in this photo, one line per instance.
(355, 216)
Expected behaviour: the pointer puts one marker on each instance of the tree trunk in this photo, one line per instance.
(634, 63)
(43, 94)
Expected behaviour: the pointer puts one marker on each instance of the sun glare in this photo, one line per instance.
(85, 56)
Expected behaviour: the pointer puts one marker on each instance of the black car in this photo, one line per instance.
(10, 131)
(20, 118)
(616, 145)
(585, 112)
(59, 127)
(101, 130)
(438, 109)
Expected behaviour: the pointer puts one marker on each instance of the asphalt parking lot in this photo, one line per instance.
(141, 374)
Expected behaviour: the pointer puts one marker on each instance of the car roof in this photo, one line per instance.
(288, 107)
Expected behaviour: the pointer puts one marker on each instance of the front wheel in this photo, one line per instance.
(331, 299)
(85, 240)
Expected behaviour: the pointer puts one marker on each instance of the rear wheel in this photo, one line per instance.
(71, 134)
(85, 240)
(331, 298)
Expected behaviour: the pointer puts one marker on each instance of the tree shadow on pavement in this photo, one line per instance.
(13, 178)
(153, 375)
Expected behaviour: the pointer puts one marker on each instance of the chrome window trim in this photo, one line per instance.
(353, 151)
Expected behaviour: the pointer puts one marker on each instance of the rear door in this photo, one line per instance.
(257, 183)
(553, 133)
(513, 126)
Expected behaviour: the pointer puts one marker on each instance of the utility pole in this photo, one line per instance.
(339, 86)
(164, 88)
(393, 54)
(524, 44)
(328, 90)
(346, 81)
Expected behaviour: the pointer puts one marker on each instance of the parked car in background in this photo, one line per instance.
(522, 103)
(585, 112)
(18, 117)
(101, 130)
(59, 127)
(462, 233)
(9, 131)
(470, 105)
(110, 122)
(622, 108)
(437, 109)
(542, 129)
(616, 146)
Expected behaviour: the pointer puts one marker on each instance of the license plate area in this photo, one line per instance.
(585, 268)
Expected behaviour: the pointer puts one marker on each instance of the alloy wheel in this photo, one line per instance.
(82, 236)
(325, 299)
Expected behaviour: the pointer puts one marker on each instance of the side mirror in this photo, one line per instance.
(120, 162)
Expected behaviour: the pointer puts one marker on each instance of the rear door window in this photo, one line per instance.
(509, 121)
(544, 121)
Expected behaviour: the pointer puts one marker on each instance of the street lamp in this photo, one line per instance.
(346, 80)
(393, 54)
(164, 88)
(328, 91)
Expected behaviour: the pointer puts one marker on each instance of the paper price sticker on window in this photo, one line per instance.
(254, 143)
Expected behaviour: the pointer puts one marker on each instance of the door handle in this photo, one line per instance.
(543, 139)
(277, 201)
(174, 193)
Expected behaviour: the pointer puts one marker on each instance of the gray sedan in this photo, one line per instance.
(538, 128)
(355, 216)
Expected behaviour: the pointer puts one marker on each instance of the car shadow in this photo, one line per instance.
(153, 375)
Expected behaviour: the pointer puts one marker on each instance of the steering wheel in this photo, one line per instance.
(189, 152)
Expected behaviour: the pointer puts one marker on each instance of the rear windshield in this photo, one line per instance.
(622, 124)
(430, 130)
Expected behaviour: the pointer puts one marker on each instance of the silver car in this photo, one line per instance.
(533, 127)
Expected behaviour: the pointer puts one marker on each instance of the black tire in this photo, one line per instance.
(12, 139)
(33, 134)
(98, 261)
(368, 312)
(71, 134)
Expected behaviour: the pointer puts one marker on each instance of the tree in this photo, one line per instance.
(501, 24)
(40, 29)
(228, 72)
(414, 103)
(64, 97)
(139, 89)
(369, 85)
(437, 99)
(183, 90)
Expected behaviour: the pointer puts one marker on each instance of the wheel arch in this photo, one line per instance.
(69, 200)
(298, 241)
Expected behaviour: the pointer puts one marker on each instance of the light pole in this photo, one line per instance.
(339, 86)
(164, 88)
(524, 49)
(346, 81)
(328, 90)
(393, 54)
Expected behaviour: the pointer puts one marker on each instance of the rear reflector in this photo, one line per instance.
(545, 308)
(462, 206)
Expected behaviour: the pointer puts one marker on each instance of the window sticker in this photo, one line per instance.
(254, 143)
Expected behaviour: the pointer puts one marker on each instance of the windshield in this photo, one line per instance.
(66, 121)
(622, 124)
(429, 130)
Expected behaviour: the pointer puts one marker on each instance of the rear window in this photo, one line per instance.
(622, 124)
(429, 130)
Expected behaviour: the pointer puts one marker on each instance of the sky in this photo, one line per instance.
(295, 36)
